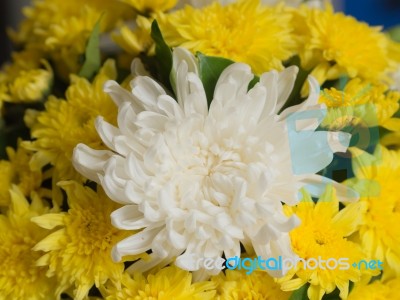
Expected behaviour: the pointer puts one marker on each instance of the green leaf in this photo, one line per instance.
(210, 69)
(351, 285)
(295, 96)
(300, 294)
(92, 54)
(332, 296)
(163, 53)
(394, 33)
(253, 82)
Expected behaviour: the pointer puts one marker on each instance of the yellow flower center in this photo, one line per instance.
(17, 260)
(90, 231)
(335, 98)
(315, 240)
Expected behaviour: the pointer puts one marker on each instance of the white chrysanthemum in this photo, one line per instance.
(199, 181)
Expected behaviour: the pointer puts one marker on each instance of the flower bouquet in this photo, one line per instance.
(199, 150)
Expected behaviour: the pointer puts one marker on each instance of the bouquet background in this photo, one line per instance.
(140, 138)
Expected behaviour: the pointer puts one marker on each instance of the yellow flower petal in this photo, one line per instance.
(49, 221)
(348, 220)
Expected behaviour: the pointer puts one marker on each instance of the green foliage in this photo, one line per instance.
(253, 82)
(163, 54)
(210, 69)
(295, 96)
(394, 33)
(300, 294)
(92, 61)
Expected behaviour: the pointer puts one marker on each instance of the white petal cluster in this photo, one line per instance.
(200, 181)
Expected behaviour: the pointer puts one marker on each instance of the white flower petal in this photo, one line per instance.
(154, 261)
(270, 82)
(180, 55)
(126, 119)
(119, 95)
(89, 162)
(197, 100)
(135, 244)
(252, 106)
(276, 248)
(138, 69)
(234, 251)
(160, 245)
(113, 190)
(310, 102)
(286, 82)
(146, 91)
(170, 107)
(188, 261)
(236, 76)
(129, 217)
(151, 120)
(177, 240)
(115, 185)
(107, 132)
(182, 86)
(316, 185)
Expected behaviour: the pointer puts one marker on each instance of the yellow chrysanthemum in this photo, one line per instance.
(335, 44)
(361, 102)
(236, 285)
(16, 171)
(146, 6)
(377, 179)
(168, 283)
(377, 290)
(64, 124)
(61, 28)
(31, 85)
(57, 21)
(135, 41)
(79, 252)
(323, 234)
(20, 278)
(244, 31)
(28, 78)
